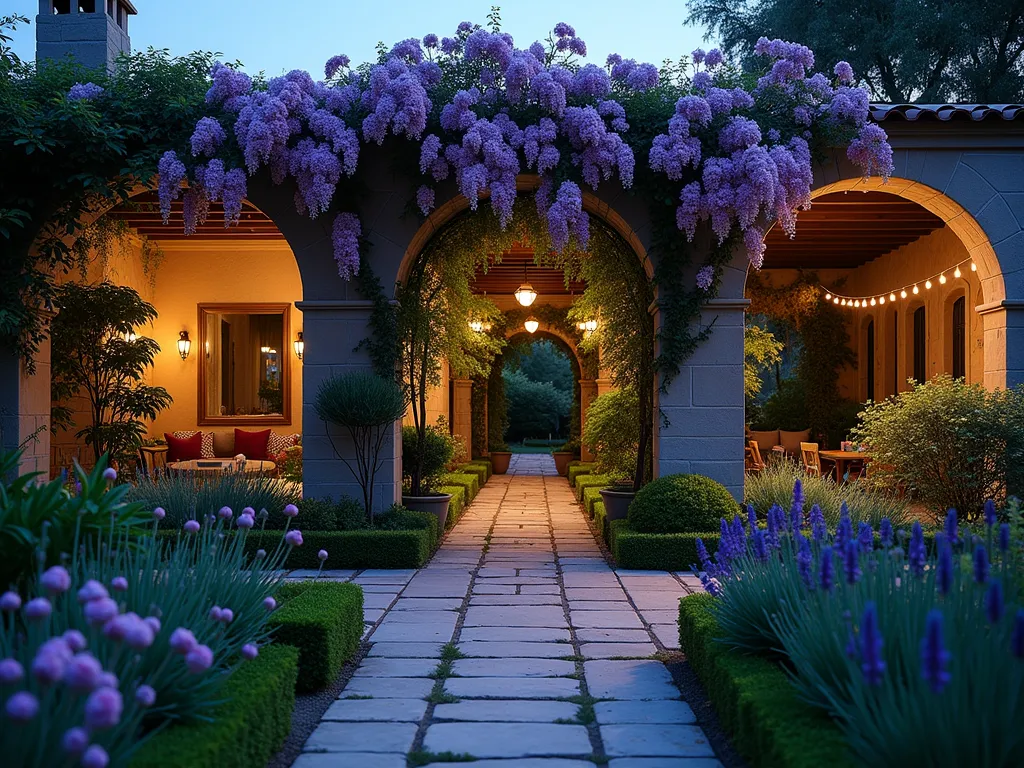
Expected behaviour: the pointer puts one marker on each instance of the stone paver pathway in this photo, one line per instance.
(517, 644)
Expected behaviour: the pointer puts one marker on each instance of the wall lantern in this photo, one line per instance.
(525, 294)
(184, 345)
(531, 325)
(299, 345)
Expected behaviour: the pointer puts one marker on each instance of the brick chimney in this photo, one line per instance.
(94, 32)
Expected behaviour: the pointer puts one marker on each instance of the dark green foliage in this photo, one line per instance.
(484, 464)
(246, 730)
(345, 514)
(544, 361)
(497, 408)
(785, 409)
(190, 495)
(324, 620)
(612, 433)
(92, 356)
(456, 506)
(656, 551)
(535, 408)
(681, 504)
(577, 469)
(601, 521)
(479, 470)
(590, 481)
(754, 699)
(470, 482)
(479, 414)
(907, 51)
(438, 450)
(590, 497)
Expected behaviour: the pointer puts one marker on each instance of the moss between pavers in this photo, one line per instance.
(590, 481)
(656, 551)
(324, 620)
(578, 469)
(755, 701)
(245, 731)
(470, 482)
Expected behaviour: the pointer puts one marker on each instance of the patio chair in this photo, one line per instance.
(811, 460)
(755, 462)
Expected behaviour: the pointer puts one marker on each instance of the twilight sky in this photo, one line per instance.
(280, 35)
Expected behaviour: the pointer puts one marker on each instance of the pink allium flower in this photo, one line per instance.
(245, 521)
(22, 707)
(227, 615)
(83, 673)
(260, 554)
(100, 611)
(95, 757)
(191, 527)
(10, 601)
(92, 590)
(11, 671)
(182, 641)
(119, 584)
(56, 580)
(269, 603)
(75, 640)
(293, 538)
(117, 628)
(109, 680)
(110, 474)
(291, 511)
(159, 513)
(199, 659)
(139, 635)
(216, 613)
(50, 661)
(154, 624)
(145, 696)
(225, 512)
(103, 709)
(39, 608)
(249, 511)
(75, 741)
(321, 555)
(250, 651)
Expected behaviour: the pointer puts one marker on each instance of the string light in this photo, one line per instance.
(914, 288)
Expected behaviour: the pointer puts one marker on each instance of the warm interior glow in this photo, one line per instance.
(184, 344)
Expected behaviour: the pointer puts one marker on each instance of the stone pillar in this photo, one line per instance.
(462, 413)
(588, 391)
(332, 330)
(700, 415)
(1003, 324)
(25, 409)
(604, 384)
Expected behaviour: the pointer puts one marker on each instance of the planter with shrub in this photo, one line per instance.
(612, 434)
(500, 457)
(420, 492)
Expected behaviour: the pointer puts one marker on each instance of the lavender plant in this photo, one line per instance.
(130, 628)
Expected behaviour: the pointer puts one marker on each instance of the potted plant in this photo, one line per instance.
(435, 452)
(564, 455)
(367, 405)
(501, 456)
(612, 434)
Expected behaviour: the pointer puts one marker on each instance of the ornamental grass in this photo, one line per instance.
(916, 651)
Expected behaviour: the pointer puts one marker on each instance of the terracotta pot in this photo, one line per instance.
(436, 504)
(500, 461)
(562, 459)
(616, 502)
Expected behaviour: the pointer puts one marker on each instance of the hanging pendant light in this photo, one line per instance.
(525, 294)
(531, 325)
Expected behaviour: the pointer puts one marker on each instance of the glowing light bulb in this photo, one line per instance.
(835, 301)
(974, 267)
(916, 290)
(843, 302)
(881, 299)
(892, 297)
(942, 279)
(531, 325)
(476, 325)
(903, 293)
(873, 302)
(957, 272)
(857, 303)
(927, 284)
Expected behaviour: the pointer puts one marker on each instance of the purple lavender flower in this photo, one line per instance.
(994, 604)
(95, 757)
(826, 571)
(11, 671)
(990, 513)
(851, 562)
(865, 537)
(804, 560)
(944, 567)
(92, 590)
(934, 656)
(751, 519)
(981, 566)
(38, 609)
(84, 91)
(75, 740)
(103, 709)
(1004, 537)
(250, 651)
(760, 545)
(22, 707)
(844, 531)
(776, 521)
(917, 555)
(56, 580)
(10, 601)
(192, 526)
(819, 529)
(1017, 639)
(199, 659)
(872, 664)
(702, 554)
(885, 532)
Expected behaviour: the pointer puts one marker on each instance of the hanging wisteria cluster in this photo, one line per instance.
(484, 111)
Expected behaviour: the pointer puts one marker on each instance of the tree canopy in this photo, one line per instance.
(926, 51)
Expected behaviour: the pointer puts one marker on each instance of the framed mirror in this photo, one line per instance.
(244, 374)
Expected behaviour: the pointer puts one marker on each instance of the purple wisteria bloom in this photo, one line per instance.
(705, 277)
(872, 663)
(843, 72)
(84, 91)
(345, 236)
(934, 656)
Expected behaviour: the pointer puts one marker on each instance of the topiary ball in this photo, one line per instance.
(681, 504)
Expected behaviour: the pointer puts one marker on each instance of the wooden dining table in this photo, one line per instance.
(843, 458)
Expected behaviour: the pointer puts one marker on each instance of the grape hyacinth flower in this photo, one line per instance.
(702, 554)
(760, 546)
(951, 528)
(826, 571)
(917, 556)
(751, 519)
(872, 664)
(934, 656)
(994, 604)
(865, 537)
(981, 565)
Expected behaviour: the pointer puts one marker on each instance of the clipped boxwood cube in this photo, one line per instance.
(456, 506)
(590, 481)
(470, 482)
(591, 496)
(577, 469)
(656, 551)
(324, 620)
(482, 471)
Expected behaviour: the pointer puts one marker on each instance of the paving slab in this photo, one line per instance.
(350, 760)
(402, 632)
(598, 635)
(508, 739)
(406, 650)
(365, 737)
(643, 740)
(524, 762)
(648, 712)
(388, 687)
(506, 711)
(663, 762)
(637, 679)
(502, 649)
(617, 650)
(513, 668)
(384, 667)
(515, 634)
(384, 710)
(512, 687)
(606, 619)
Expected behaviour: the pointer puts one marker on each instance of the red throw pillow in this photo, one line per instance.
(253, 445)
(184, 448)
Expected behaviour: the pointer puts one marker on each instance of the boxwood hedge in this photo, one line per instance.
(656, 551)
(590, 481)
(470, 482)
(456, 506)
(324, 620)
(577, 469)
